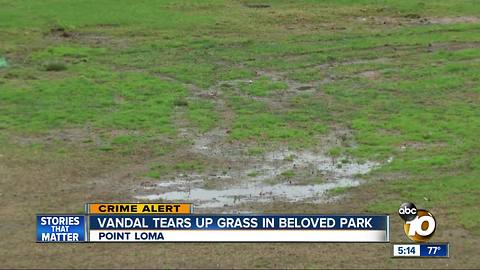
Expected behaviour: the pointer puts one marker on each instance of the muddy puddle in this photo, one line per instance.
(240, 180)
(287, 176)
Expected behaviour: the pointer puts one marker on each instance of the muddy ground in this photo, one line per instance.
(274, 181)
(23, 199)
(237, 179)
(60, 169)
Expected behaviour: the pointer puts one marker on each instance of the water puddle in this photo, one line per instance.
(275, 176)
(205, 198)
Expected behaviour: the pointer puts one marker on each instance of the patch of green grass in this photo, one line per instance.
(77, 15)
(124, 140)
(55, 66)
(105, 148)
(262, 87)
(200, 74)
(236, 73)
(202, 114)
(125, 144)
(194, 165)
(264, 126)
(335, 152)
(256, 151)
(159, 170)
(338, 191)
(255, 121)
(63, 51)
(253, 174)
(308, 75)
(3, 62)
(317, 180)
(180, 102)
(288, 173)
(153, 174)
(162, 149)
(46, 104)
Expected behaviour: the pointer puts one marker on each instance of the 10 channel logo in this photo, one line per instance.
(419, 224)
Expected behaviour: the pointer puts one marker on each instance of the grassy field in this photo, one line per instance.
(94, 95)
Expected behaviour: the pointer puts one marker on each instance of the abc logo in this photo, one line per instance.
(419, 224)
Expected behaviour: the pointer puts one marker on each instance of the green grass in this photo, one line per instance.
(104, 99)
(55, 66)
(202, 114)
(66, 52)
(255, 120)
(160, 170)
(256, 151)
(338, 191)
(253, 174)
(3, 63)
(125, 68)
(262, 87)
(194, 165)
(288, 174)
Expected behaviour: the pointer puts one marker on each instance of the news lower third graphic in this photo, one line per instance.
(419, 226)
(108, 222)
(177, 222)
(238, 228)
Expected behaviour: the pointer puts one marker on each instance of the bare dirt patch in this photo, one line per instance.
(93, 38)
(257, 5)
(453, 20)
(73, 136)
(371, 74)
(416, 19)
